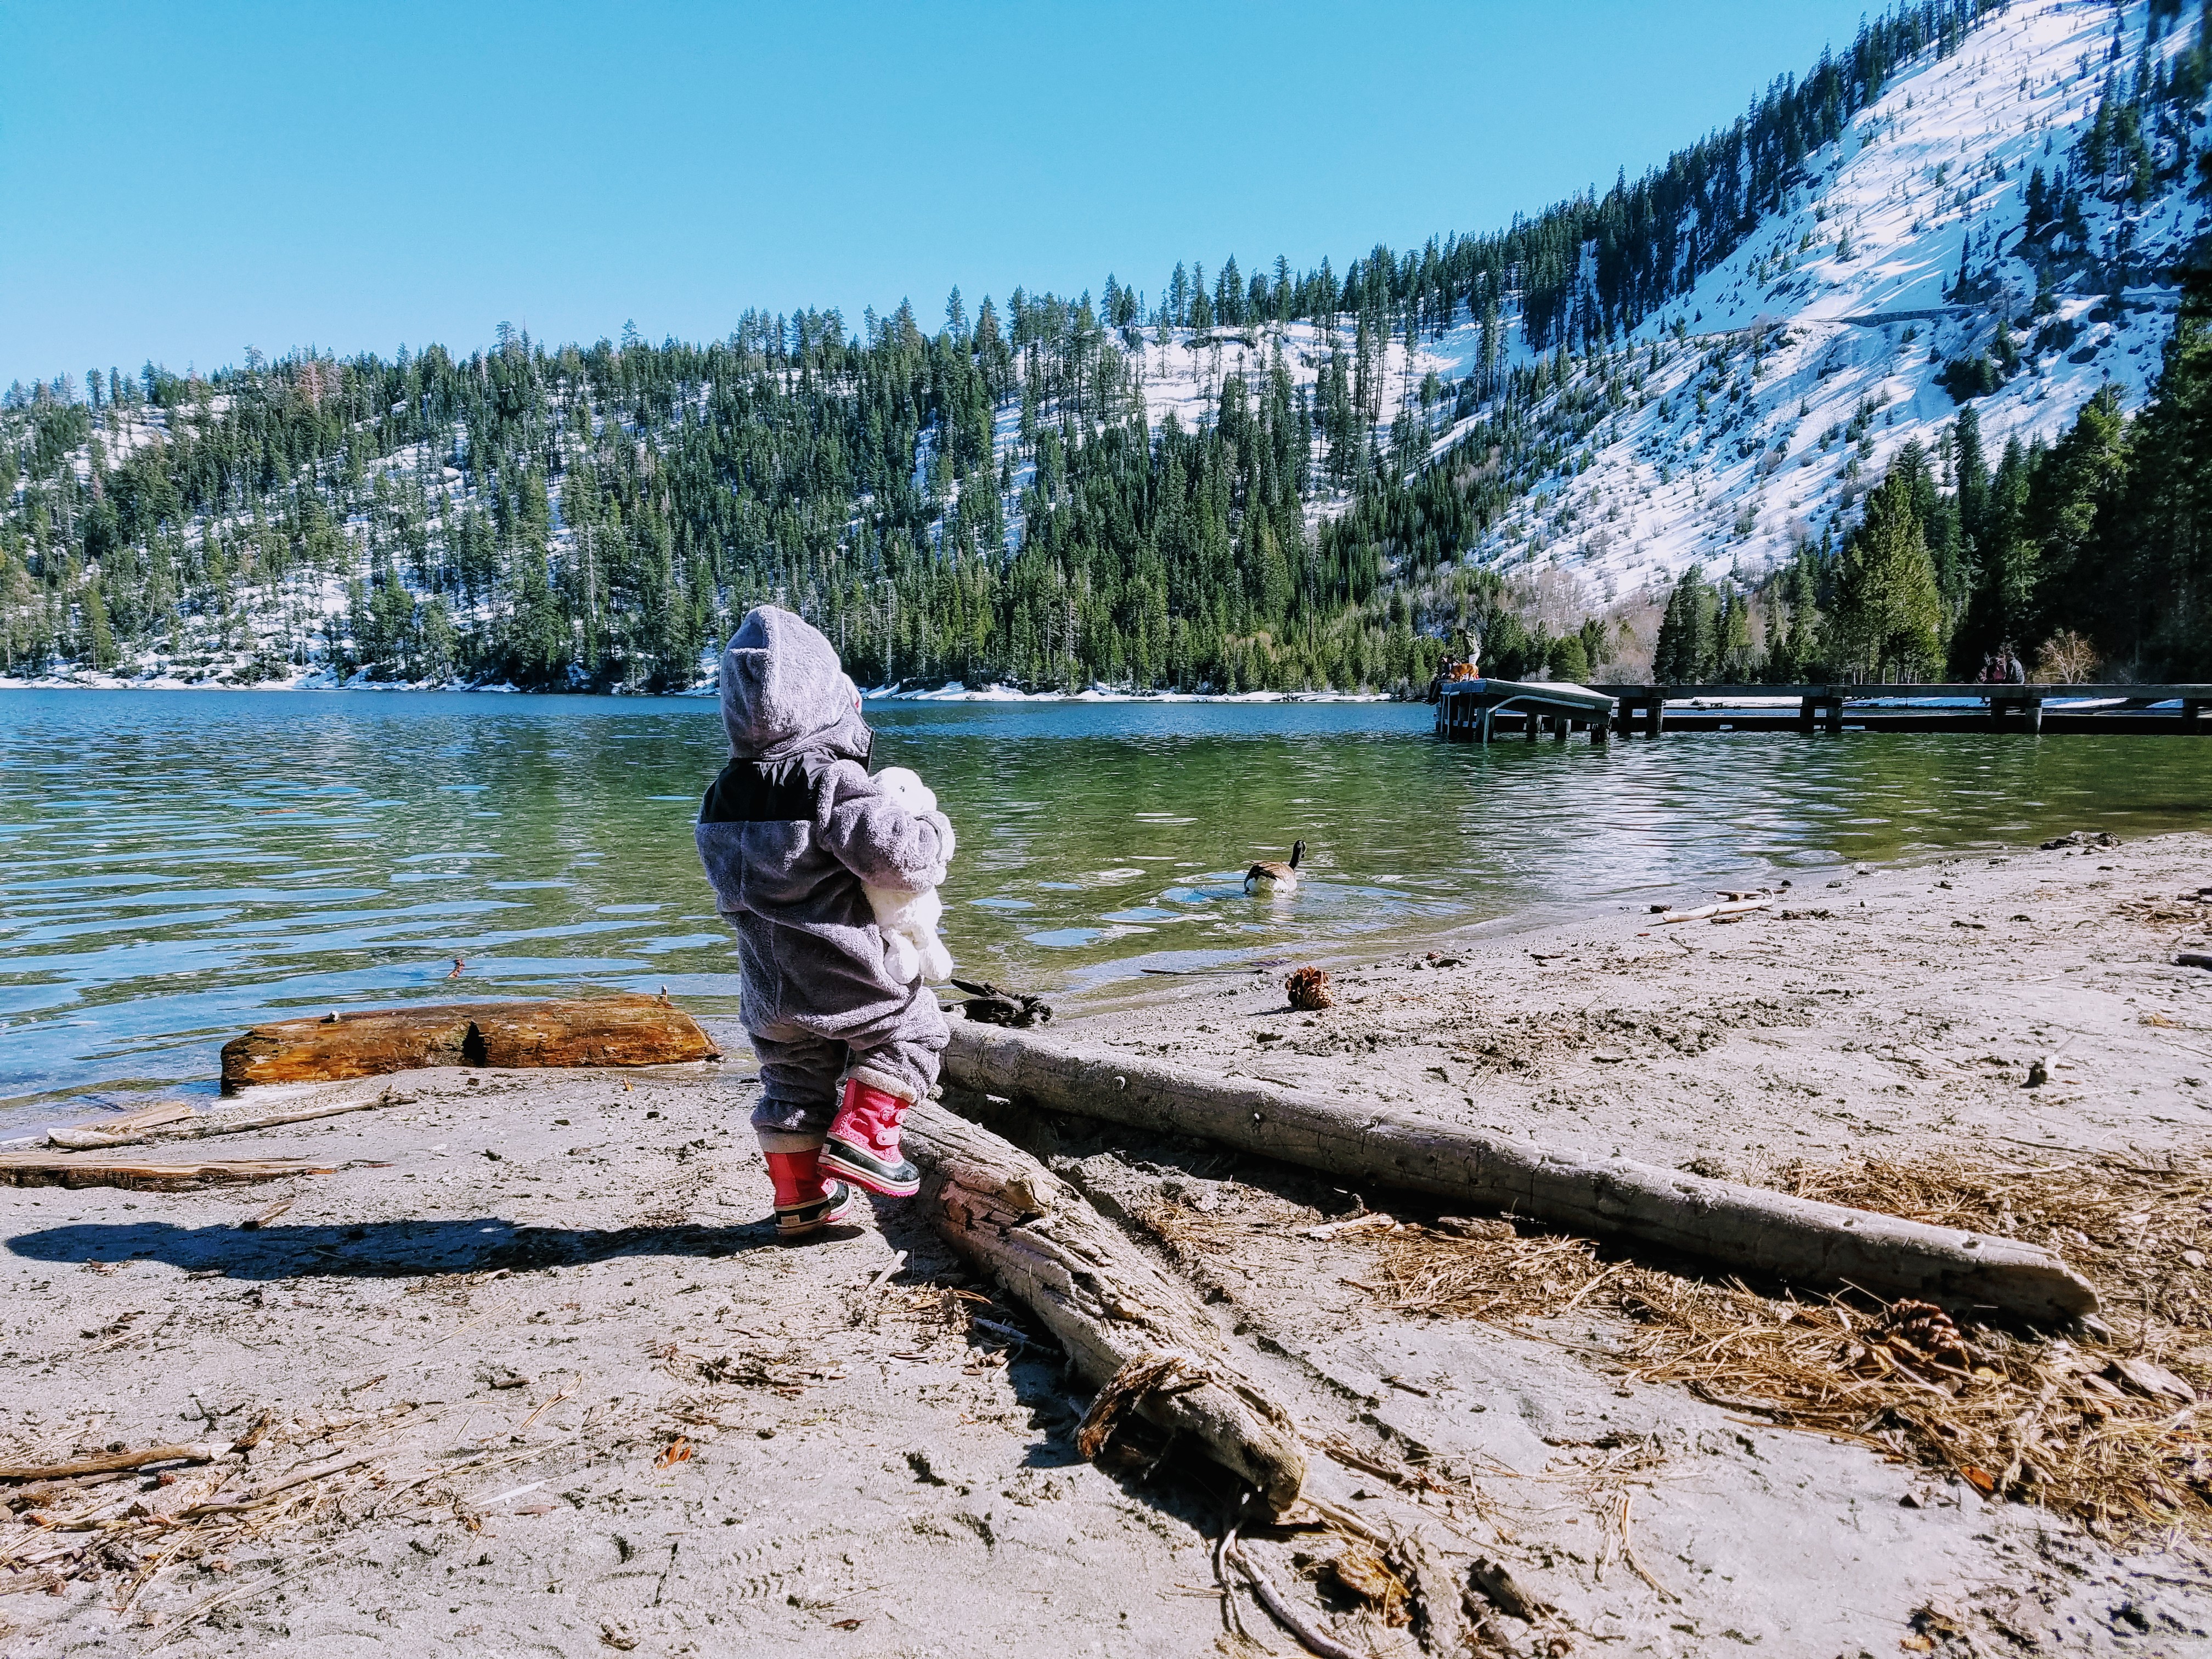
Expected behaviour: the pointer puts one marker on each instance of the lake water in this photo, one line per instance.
(175, 865)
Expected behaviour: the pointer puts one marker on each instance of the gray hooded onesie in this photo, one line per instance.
(788, 833)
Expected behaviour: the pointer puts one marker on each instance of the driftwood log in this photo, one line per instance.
(623, 1029)
(185, 1124)
(57, 1170)
(125, 1125)
(1746, 1227)
(1119, 1316)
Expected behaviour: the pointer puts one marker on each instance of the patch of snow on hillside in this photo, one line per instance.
(1789, 341)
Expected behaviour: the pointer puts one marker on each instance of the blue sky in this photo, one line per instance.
(181, 180)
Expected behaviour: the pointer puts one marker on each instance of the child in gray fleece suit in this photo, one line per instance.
(790, 833)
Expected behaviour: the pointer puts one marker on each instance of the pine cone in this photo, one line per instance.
(1309, 989)
(1927, 1330)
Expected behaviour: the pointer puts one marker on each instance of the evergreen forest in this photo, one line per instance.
(987, 497)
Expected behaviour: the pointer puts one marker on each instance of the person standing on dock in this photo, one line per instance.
(791, 834)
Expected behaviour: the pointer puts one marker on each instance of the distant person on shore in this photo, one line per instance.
(2015, 670)
(791, 834)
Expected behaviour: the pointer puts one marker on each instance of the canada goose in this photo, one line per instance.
(1271, 877)
(457, 965)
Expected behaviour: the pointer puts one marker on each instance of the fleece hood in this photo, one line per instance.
(784, 692)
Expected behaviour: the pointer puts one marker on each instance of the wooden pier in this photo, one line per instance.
(1477, 711)
(1471, 710)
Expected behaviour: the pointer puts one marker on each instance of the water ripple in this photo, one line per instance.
(175, 866)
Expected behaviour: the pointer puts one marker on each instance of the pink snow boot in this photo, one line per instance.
(804, 1202)
(864, 1137)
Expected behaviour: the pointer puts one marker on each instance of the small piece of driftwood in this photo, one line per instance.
(185, 1124)
(1716, 912)
(1357, 1224)
(58, 1170)
(1751, 1228)
(127, 1126)
(107, 1462)
(623, 1029)
(1118, 1316)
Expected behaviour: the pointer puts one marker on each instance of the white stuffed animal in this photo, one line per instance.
(909, 921)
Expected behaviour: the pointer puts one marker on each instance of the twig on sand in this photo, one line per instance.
(569, 1393)
(1628, 1550)
(1222, 1545)
(268, 1490)
(1286, 1615)
(109, 1462)
(1592, 1285)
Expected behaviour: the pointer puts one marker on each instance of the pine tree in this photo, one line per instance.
(2156, 544)
(1685, 651)
(1888, 612)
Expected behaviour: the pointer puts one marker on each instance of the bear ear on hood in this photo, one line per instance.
(783, 691)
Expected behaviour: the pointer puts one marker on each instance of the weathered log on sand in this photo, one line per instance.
(1746, 1227)
(623, 1029)
(125, 1125)
(56, 1169)
(189, 1125)
(1716, 912)
(1116, 1313)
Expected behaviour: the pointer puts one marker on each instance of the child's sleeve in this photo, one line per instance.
(878, 839)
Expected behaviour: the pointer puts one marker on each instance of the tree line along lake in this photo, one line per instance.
(175, 865)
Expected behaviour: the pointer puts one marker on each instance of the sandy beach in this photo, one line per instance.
(562, 1391)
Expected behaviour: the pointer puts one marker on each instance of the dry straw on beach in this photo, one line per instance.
(2108, 1428)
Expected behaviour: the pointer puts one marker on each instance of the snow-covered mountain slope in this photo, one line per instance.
(1785, 381)
(1821, 344)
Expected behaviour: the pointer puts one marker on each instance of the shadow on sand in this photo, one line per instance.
(382, 1250)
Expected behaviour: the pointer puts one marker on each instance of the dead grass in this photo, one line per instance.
(2100, 1427)
(127, 1527)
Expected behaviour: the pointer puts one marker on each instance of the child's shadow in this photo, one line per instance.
(378, 1250)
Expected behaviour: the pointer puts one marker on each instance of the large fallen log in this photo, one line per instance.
(623, 1029)
(1746, 1227)
(57, 1170)
(1130, 1329)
